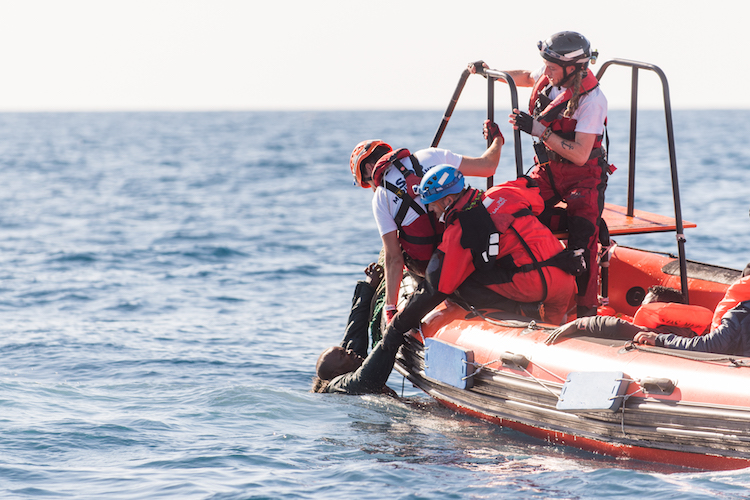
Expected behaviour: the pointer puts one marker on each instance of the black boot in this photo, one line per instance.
(530, 310)
(582, 311)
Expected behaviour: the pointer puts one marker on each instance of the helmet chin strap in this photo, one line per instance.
(449, 207)
(568, 79)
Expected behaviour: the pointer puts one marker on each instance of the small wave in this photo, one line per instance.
(125, 306)
(227, 299)
(85, 258)
(203, 253)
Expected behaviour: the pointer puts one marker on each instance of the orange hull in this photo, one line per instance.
(703, 422)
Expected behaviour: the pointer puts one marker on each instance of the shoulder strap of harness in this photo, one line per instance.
(407, 202)
(537, 265)
(417, 166)
(554, 108)
(418, 171)
(482, 237)
(539, 94)
(386, 161)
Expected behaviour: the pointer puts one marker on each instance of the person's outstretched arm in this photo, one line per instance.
(355, 334)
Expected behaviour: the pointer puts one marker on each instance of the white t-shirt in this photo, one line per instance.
(385, 204)
(592, 108)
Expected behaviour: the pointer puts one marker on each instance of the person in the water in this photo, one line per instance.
(347, 368)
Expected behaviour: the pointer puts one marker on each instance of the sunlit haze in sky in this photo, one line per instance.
(347, 54)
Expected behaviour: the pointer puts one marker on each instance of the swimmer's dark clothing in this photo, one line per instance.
(610, 327)
(370, 378)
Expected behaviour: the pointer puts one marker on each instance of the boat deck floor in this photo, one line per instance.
(619, 223)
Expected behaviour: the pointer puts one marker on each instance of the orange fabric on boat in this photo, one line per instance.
(697, 318)
(738, 292)
(610, 311)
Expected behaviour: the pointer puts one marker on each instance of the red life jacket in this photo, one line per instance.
(652, 315)
(505, 223)
(420, 238)
(550, 113)
(738, 292)
(387, 160)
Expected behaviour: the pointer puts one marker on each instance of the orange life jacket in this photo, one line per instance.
(610, 311)
(652, 315)
(505, 224)
(738, 292)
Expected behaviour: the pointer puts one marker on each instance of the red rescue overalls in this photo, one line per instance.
(581, 187)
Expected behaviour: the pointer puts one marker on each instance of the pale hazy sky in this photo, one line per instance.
(346, 54)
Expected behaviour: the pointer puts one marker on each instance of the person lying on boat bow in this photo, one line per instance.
(568, 112)
(731, 326)
(495, 253)
(731, 337)
(663, 310)
(347, 368)
(678, 329)
(409, 233)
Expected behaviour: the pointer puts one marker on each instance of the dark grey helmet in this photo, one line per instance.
(567, 48)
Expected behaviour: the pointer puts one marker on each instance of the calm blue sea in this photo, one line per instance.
(167, 281)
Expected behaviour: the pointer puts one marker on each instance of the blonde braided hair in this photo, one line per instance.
(576, 88)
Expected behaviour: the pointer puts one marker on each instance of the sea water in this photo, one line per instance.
(167, 281)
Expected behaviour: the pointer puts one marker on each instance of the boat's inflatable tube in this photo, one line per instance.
(697, 318)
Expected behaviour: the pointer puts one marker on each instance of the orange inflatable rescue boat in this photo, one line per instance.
(605, 395)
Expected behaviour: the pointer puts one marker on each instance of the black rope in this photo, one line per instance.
(630, 345)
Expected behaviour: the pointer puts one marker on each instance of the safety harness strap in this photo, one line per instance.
(407, 202)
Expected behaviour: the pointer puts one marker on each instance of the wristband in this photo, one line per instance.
(547, 132)
(390, 313)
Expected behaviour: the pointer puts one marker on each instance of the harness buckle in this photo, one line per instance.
(542, 156)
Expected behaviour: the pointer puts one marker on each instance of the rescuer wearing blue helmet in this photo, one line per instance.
(408, 231)
(494, 253)
(440, 182)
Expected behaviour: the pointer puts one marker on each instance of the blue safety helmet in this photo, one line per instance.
(439, 182)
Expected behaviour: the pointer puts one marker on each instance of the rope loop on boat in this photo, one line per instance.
(631, 345)
(478, 365)
(608, 251)
(512, 323)
(421, 335)
(499, 360)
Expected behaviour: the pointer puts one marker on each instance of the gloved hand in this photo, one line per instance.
(477, 67)
(491, 131)
(526, 123)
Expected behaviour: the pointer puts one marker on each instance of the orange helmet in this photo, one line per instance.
(360, 154)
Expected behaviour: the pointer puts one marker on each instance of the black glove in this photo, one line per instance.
(478, 66)
(524, 122)
(528, 124)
